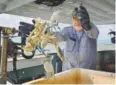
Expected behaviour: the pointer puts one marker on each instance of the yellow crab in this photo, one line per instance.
(40, 36)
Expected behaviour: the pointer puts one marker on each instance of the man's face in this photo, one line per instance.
(77, 24)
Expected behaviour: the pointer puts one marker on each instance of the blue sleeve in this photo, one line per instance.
(62, 35)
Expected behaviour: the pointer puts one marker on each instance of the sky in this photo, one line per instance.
(13, 21)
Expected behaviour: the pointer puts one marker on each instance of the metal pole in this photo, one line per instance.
(3, 69)
(0, 47)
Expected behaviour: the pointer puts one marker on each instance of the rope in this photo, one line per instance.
(82, 1)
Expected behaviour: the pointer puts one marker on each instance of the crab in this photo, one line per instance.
(41, 36)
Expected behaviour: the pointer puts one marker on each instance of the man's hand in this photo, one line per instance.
(85, 20)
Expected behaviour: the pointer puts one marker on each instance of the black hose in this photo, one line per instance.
(17, 80)
(28, 57)
(24, 55)
(14, 56)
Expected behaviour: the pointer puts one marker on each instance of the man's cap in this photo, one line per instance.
(75, 13)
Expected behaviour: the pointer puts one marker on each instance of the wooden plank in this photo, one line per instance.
(99, 77)
(78, 76)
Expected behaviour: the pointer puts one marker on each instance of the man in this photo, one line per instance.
(81, 40)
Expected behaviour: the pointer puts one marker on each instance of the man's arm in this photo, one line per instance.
(62, 35)
(89, 27)
(93, 32)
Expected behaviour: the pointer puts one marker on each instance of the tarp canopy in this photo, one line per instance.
(101, 11)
